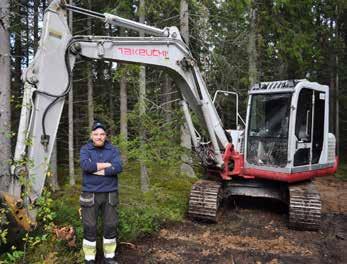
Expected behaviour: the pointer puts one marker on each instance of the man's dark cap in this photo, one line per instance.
(98, 125)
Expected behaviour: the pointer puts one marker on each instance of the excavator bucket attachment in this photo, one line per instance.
(17, 215)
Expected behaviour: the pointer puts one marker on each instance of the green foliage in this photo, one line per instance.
(161, 143)
(60, 209)
(31, 241)
(166, 201)
(130, 71)
(342, 171)
(3, 222)
(132, 222)
(66, 206)
(45, 214)
(13, 256)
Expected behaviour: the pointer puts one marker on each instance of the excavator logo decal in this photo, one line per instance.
(143, 52)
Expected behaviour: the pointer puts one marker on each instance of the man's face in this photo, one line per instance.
(98, 137)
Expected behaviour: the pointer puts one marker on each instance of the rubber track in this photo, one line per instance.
(304, 206)
(204, 200)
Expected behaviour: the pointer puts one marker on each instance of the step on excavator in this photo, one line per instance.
(283, 145)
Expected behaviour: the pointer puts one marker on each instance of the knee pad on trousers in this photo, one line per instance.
(110, 230)
(90, 232)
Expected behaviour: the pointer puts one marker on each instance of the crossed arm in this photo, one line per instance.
(101, 166)
(111, 168)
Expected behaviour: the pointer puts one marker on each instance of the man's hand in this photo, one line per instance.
(103, 165)
(99, 173)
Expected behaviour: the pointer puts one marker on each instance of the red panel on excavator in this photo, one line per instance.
(289, 177)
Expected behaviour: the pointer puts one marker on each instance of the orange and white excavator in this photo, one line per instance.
(283, 145)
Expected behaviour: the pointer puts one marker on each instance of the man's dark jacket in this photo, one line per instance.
(89, 156)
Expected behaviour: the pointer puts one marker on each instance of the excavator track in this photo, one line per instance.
(304, 206)
(204, 200)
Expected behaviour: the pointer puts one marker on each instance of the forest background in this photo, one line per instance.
(236, 43)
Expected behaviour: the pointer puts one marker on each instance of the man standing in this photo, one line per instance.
(101, 163)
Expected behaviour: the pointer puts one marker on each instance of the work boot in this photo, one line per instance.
(110, 261)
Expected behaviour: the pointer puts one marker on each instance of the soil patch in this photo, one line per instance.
(251, 232)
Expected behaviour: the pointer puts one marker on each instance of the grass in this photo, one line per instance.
(142, 213)
(341, 173)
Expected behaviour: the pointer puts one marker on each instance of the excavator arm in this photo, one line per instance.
(47, 82)
(174, 56)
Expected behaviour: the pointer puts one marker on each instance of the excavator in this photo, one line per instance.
(283, 145)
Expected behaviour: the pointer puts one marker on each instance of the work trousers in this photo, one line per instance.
(99, 204)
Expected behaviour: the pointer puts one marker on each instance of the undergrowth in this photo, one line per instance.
(139, 214)
(341, 173)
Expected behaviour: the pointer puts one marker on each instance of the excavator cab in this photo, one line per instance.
(287, 131)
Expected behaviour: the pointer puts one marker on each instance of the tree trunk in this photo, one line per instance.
(142, 94)
(337, 109)
(186, 140)
(166, 97)
(332, 100)
(252, 51)
(90, 95)
(332, 76)
(123, 94)
(90, 78)
(72, 180)
(36, 24)
(337, 86)
(44, 6)
(123, 108)
(16, 84)
(184, 21)
(27, 34)
(54, 169)
(5, 95)
(124, 114)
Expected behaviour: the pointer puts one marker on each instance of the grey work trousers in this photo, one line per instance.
(94, 205)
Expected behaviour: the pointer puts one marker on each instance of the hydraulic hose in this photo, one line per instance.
(57, 97)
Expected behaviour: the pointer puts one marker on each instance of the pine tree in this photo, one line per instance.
(5, 95)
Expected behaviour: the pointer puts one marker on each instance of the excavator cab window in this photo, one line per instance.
(268, 129)
(318, 131)
(309, 135)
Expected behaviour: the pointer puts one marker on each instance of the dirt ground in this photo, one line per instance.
(250, 231)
